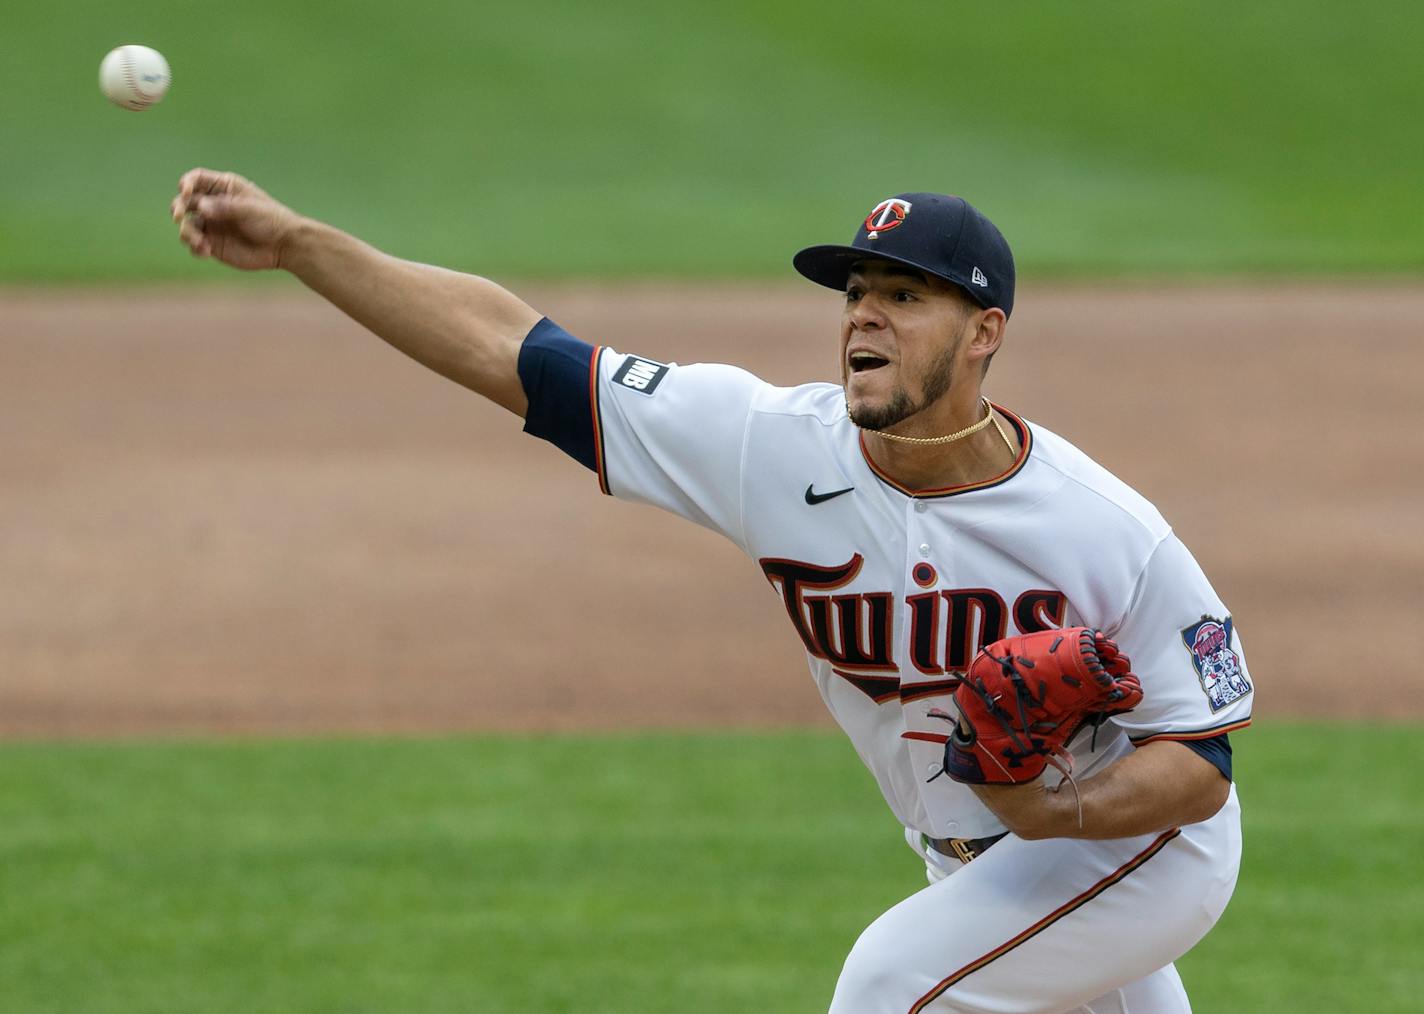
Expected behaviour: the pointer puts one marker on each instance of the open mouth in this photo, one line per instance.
(862, 362)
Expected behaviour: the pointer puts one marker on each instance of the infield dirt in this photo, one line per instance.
(239, 512)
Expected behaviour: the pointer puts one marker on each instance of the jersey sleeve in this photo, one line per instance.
(657, 433)
(1184, 647)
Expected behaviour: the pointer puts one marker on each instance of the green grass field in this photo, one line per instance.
(633, 873)
(625, 139)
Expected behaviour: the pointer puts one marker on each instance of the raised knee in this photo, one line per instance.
(875, 980)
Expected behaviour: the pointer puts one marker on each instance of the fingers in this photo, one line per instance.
(201, 221)
(204, 203)
(196, 183)
(214, 210)
(209, 181)
(188, 184)
(190, 232)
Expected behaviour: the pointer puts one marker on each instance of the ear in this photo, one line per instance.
(987, 335)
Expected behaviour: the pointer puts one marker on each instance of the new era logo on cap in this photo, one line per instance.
(978, 278)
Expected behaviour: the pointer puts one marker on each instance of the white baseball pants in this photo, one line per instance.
(1060, 926)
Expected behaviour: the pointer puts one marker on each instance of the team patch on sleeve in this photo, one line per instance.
(1218, 667)
(641, 375)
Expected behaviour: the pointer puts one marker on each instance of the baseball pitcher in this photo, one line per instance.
(1028, 660)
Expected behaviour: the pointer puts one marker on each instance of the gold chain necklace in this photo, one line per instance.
(949, 438)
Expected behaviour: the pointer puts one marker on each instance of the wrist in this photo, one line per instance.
(297, 244)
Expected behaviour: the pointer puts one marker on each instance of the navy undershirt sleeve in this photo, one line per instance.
(1217, 749)
(554, 369)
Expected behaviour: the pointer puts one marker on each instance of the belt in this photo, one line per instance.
(963, 849)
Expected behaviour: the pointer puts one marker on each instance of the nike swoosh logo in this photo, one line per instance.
(813, 498)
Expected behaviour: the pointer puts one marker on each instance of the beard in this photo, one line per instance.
(938, 380)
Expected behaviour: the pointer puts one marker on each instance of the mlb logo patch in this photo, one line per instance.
(1217, 664)
(641, 375)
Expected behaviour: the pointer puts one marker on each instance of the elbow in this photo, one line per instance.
(1210, 801)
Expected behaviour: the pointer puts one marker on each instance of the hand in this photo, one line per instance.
(228, 218)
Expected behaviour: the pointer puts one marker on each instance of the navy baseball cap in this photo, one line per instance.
(942, 235)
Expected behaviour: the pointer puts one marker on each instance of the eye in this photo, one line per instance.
(905, 296)
(852, 294)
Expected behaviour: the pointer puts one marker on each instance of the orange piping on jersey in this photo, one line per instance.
(1179, 737)
(1025, 442)
(1102, 885)
(926, 737)
(600, 468)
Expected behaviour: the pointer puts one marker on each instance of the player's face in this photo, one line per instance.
(900, 337)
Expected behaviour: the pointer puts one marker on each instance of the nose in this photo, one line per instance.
(866, 313)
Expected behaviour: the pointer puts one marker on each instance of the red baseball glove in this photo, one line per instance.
(1025, 697)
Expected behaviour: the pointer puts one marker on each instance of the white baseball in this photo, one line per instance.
(134, 77)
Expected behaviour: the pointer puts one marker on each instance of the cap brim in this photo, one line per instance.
(830, 265)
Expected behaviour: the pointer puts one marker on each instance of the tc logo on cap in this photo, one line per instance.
(886, 216)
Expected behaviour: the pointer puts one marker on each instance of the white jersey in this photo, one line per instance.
(893, 590)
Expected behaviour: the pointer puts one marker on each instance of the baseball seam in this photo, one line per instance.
(144, 99)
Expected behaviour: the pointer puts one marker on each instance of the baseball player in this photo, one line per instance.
(923, 543)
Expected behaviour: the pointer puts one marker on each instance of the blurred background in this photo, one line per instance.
(697, 140)
(323, 688)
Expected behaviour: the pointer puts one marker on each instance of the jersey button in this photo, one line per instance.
(924, 549)
(921, 506)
